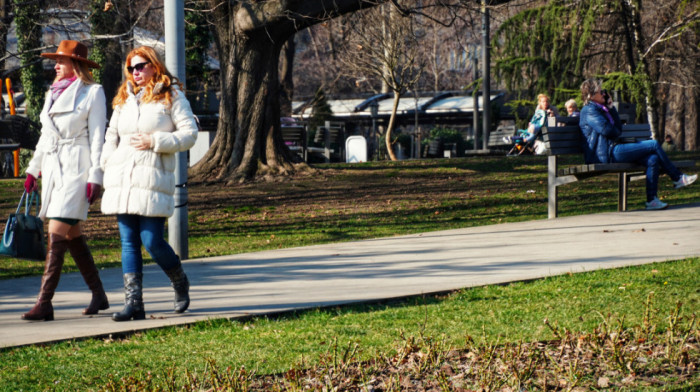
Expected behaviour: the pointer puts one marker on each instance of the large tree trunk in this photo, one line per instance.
(287, 77)
(247, 144)
(249, 37)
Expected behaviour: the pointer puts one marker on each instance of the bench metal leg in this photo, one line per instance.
(553, 183)
(623, 181)
(552, 187)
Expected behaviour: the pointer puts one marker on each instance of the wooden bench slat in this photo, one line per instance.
(564, 151)
(601, 167)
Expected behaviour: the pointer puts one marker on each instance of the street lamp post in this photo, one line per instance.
(475, 94)
(486, 74)
(174, 18)
(374, 111)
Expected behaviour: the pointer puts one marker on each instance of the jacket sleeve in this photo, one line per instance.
(34, 165)
(97, 119)
(538, 119)
(601, 125)
(185, 134)
(111, 137)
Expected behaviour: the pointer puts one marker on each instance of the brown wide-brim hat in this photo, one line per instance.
(73, 50)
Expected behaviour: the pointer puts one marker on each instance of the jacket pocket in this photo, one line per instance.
(73, 160)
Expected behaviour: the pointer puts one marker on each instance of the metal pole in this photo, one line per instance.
(475, 95)
(486, 74)
(174, 15)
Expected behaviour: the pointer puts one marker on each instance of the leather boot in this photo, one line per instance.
(43, 310)
(133, 304)
(179, 281)
(80, 251)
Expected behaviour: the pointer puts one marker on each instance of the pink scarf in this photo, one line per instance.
(58, 87)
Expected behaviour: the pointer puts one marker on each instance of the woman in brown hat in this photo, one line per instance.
(67, 157)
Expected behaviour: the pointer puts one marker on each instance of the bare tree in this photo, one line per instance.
(385, 46)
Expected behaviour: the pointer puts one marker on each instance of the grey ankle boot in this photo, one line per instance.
(133, 304)
(182, 288)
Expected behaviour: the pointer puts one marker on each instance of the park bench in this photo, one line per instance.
(294, 137)
(15, 132)
(18, 132)
(562, 136)
(329, 135)
(496, 137)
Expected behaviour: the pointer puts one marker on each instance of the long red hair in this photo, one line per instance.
(160, 75)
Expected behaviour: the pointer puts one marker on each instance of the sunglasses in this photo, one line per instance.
(137, 67)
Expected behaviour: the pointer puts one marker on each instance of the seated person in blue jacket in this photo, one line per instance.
(601, 128)
(543, 110)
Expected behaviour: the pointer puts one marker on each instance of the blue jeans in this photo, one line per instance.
(136, 230)
(647, 153)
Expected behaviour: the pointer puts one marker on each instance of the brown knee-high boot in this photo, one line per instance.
(80, 251)
(43, 310)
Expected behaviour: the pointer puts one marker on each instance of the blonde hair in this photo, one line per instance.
(540, 96)
(161, 76)
(81, 70)
(572, 103)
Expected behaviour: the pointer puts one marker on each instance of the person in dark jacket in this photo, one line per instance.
(601, 127)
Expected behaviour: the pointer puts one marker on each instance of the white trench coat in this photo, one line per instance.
(68, 152)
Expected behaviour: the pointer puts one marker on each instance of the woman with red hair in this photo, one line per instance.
(152, 121)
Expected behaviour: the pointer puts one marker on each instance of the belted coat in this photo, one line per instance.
(142, 182)
(67, 154)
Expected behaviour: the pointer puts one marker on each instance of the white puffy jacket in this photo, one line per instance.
(143, 182)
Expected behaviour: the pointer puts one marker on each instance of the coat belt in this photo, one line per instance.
(55, 177)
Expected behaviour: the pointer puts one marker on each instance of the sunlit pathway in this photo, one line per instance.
(300, 278)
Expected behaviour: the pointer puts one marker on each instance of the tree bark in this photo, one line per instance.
(390, 127)
(287, 77)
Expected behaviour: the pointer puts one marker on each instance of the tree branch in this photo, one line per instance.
(681, 25)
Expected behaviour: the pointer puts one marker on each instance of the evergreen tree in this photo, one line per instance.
(321, 110)
(108, 21)
(29, 38)
(198, 39)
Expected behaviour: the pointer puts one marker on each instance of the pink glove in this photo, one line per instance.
(93, 191)
(30, 184)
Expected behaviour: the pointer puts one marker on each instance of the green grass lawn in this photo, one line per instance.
(501, 313)
(350, 202)
(369, 200)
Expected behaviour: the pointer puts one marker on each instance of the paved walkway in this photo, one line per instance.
(300, 278)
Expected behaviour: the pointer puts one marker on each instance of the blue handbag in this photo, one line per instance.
(23, 237)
